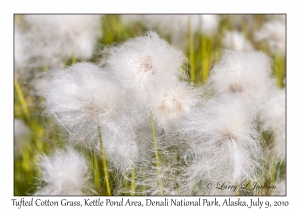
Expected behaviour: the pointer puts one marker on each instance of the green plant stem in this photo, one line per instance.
(73, 58)
(22, 99)
(45, 67)
(237, 189)
(205, 61)
(279, 71)
(132, 183)
(97, 176)
(191, 54)
(157, 164)
(104, 163)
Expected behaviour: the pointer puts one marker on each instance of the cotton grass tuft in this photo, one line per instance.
(65, 172)
(143, 64)
(247, 74)
(81, 98)
(222, 142)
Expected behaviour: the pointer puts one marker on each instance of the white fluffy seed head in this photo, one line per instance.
(273, 32)
(21, 57)
(177, 26)
(146, 65)
(41, 81)
(242, 73)
(81, 98)
(236, 41)
(64, 36)
(65, 172)
(170, 106)
(127, 142)
(221, 141)
(174, 26)
(272, 115)
(273, 119)
(209, 24)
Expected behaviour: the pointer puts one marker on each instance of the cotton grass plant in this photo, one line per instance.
(64, 173)
(144, 112)
(236, 41)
